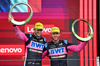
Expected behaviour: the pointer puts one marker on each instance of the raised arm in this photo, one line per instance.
(20, 34)
(77, 48)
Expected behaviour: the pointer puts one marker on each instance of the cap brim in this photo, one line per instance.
(38, 28)
(55, 32)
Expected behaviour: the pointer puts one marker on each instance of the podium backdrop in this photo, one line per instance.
(60, 13)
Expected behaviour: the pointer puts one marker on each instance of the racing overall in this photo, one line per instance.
(57, 52)
(34, 47)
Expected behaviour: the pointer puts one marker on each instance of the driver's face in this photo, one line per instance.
(38, 32)
(55, 36)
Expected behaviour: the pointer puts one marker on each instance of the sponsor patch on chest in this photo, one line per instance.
(57, 51)
(36, 45)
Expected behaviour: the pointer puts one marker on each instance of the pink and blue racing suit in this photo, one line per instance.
(57, 52)
(34, 47)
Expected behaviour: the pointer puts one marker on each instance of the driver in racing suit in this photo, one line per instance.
(34, 44)
(57, 50)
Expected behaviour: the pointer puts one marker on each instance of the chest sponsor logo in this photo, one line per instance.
(58, 56)
(35, 50)
(37, 45)
(57, 51)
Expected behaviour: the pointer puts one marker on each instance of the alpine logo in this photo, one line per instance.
(60, 44)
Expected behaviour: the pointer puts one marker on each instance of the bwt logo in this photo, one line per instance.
(37, 45)
(46, 29)
(57, 51)
(10, 50)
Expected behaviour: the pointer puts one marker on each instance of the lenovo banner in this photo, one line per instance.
(11, 49)
(46, 29)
